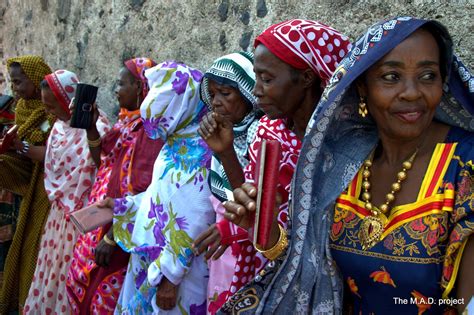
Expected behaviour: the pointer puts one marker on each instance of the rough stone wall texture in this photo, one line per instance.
(93, 37)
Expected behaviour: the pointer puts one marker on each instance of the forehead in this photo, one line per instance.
(16, 71)
(265, 60)
(216, 85)
(124, 73)
(419, 47)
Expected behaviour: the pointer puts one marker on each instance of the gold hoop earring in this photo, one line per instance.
(363, 112)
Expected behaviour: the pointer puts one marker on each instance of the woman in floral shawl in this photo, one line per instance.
(127, 155)
(399, 102)
(69, 173)
(22, 173)
(158, 226)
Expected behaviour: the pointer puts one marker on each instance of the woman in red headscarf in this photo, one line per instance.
(293, 63)
(126, 156)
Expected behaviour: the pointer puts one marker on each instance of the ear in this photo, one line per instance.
(308, 77)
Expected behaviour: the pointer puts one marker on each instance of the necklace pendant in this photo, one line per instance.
(370, 231)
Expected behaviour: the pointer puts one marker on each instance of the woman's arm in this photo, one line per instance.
(465, 278)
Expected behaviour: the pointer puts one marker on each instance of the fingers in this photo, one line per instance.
(221, 250)
(207, 126)
(250, 189)
(204, 240)
(221, 120)
(245, 196)
(106, 203)
(72, 105)
(234, 211)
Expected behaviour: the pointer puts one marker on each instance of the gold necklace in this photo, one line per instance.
(372, 226)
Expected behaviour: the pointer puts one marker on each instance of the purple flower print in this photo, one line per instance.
(196, 74)
(153, 252)
(158, 234)
(181, 222)
(171, 64)
(130, 227)
(120, 206)
(180, 82)
(140, 279)
(154, 126)
(197, 309)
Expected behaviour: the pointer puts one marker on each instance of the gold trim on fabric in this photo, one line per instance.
(414, 260)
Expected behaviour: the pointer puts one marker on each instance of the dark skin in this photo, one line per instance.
(129, 96)
(24, 88)
(283, 93)
(402, 90)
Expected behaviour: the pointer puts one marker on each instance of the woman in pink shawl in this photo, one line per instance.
(69, 174)
(126, 160)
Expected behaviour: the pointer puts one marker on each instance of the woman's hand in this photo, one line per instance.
(209, 241)
(217, 131)
(106, 203)
(239, 211)
(103, 252)
(95, 114)
(166, 295)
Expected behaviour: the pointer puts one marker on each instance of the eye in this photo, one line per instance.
(429, 76)
(391, 77)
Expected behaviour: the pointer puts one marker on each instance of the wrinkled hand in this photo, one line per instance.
(209, 241)
(217, 131)
(103, 252)
(166, 295)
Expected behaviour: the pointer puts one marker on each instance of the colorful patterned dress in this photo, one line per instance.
(90, 288)
(418, 257)
(158, 226)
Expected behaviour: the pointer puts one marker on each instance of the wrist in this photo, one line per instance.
(24, 149)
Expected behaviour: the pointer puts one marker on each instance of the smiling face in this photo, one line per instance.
(52, 105)
(404, 88)
(227, 101)
(21, 85)
(128, 90)
(278, 86)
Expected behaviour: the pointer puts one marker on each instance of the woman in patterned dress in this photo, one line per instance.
(69, 174)
(126, 163)
(384, 186)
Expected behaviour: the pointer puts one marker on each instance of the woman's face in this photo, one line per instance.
(128, 90)
(21, 85)
(227, 101)
(279, 92)
(52, 105)
(404, 88)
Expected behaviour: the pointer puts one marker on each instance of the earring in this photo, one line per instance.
(363, 108)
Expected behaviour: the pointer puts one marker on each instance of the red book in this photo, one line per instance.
(7, 141)
(266, 180)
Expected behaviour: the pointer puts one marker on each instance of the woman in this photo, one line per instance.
(69, 173)
(158, 226)
(387, 194)
(22, 173)
(290, 78)
(226, 89)
(127, 155)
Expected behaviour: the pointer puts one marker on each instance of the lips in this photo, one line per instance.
(409, 117)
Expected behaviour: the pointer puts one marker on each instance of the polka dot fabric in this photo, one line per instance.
(69, 175)
(303, 43)
(249, 261)
(63, 84)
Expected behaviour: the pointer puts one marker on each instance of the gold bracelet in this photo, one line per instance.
(94, 143)
(278, 249)
(109, 241)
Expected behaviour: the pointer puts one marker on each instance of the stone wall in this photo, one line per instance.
(93, 37)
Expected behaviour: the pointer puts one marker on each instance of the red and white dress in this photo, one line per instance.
(69, 175)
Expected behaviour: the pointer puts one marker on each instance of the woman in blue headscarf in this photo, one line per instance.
(382, 198)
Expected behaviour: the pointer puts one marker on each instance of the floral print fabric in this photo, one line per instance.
(158, 226)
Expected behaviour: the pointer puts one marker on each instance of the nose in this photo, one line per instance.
(216, 101)
(411, 90)
(257, 90)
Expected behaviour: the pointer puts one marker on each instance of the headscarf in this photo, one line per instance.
(306, 43)
(235, 70)
(63, 85)
(31, 114)
(335, 146)
(137, 67)
(172, 104)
